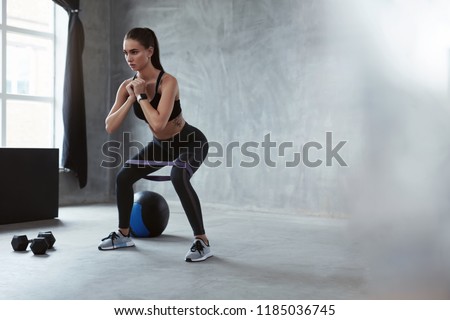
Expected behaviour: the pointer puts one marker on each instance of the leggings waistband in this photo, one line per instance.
(189, 135)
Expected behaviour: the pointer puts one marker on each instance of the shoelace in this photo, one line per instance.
(111, 236)
(197, 246)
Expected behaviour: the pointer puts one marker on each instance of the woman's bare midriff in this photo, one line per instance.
(172, 128)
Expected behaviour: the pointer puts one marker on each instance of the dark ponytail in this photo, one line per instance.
(155, 57)
(147, 38)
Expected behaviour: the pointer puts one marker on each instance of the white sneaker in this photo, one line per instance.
(115, 241)
(199, 251)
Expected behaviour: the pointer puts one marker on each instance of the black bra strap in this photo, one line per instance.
(157, 82)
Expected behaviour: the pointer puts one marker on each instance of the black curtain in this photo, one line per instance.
(74, 155)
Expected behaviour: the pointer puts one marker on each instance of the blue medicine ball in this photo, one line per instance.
(149, 215)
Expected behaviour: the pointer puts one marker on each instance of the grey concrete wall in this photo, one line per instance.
(96, 61)
(247, 70)
(294, 69)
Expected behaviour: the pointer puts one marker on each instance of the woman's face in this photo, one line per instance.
(135, 54)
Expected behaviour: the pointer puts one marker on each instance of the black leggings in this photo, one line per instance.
(189, 146)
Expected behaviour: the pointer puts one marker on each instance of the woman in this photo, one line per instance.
(154, 97)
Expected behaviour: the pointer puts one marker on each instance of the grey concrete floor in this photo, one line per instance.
(258, 255)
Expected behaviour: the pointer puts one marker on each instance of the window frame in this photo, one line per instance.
(5, 96)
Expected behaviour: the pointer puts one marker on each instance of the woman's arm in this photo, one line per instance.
(125, 98)
(159, 118)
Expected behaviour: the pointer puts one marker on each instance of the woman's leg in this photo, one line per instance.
(191, 149)
(180, 177)
(125, 180)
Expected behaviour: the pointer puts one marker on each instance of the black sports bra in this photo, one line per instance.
(154, 103)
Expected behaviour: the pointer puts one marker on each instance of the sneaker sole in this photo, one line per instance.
(206, 256)
(115, 248)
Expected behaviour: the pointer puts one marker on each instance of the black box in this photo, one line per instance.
(29, 184)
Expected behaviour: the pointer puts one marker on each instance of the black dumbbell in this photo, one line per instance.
(38, 245)
(48, 235)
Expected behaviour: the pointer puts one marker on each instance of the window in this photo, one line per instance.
(27, 82)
